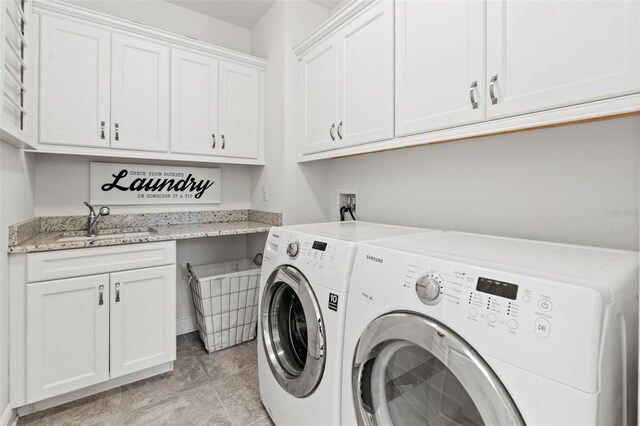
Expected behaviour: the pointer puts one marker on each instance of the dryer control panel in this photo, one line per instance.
(548, 327)
(493, 302)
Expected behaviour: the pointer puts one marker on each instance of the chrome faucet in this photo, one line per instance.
(93, 219)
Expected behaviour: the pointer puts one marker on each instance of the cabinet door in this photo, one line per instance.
(67, 336)
(139, 94)
(15, 31)
(549, 54)
(440, 64)
(319, 97)
(194, 103)
(143, 319)
(240, 111)
(365, 78)
(74, 83)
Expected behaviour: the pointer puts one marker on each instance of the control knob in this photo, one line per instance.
(293, 249)
(429, 288)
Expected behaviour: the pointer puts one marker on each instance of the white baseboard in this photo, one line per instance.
(186, 324)
(9, 416)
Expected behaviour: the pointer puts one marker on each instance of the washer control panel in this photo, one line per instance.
(312, 252)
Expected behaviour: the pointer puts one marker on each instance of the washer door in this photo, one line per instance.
(292, 331)
(411, 370)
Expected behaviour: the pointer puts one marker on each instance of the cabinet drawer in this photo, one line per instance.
(97, 260)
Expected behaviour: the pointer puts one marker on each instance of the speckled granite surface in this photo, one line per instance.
(265, 217)
(69, 223)
(24, 230)
(43, 234)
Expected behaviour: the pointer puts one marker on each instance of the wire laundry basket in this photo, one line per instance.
(225, 297)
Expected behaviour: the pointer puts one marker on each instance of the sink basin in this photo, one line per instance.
(105, 236)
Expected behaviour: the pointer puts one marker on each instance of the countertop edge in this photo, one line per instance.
(244, 228)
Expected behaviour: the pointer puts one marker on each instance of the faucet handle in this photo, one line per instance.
(90, 207)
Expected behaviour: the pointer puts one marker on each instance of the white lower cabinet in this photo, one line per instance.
(68, 335)
(143, 313)
(80, 331)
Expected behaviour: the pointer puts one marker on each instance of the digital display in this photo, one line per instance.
(497, 288)
(319, 245)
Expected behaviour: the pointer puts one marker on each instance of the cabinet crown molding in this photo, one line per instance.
(175, 40)
(332, 24)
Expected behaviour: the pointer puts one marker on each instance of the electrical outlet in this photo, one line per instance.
(265, 196)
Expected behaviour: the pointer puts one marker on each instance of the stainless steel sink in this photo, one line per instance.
(108, 235)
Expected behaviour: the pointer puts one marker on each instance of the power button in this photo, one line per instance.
(545, 305)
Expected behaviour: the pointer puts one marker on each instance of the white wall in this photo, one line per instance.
(296, 190)
(268, 41)
(572, 184)
(62, 185)
(16, 204)
(175, 19)
(306, 185)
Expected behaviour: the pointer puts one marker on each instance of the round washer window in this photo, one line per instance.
(292, 331)
(289, 329)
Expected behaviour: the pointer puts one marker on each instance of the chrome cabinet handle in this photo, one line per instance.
(213, 136)
(492, 84)
(117, 126)
(333, 137)
(117, 292)
(102, 123)
(472, 94)
(340, 130)
(101, 295)
(224, 142)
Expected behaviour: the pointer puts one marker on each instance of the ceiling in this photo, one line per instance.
(244, 13)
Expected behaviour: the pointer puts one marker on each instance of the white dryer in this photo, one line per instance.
(467, 329)
(305, 279)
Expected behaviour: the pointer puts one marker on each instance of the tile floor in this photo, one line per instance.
(203, 389)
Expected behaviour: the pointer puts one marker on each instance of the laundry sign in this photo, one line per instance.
(123, 184)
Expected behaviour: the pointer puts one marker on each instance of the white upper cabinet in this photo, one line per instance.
(365, 78)
(439, 64)
(139, 94)
(319, 97)
(194, 103)
(15, 26)
(240, 110)
(411, 72)
(74, 83)
(548, 54)
(143, 319)
(68, 335)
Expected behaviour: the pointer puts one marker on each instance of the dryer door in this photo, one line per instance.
(292, 331)
(409, 369)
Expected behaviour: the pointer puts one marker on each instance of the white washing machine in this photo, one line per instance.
(467, 329)
(303, 289)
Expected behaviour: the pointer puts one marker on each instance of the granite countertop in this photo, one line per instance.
(42, 234)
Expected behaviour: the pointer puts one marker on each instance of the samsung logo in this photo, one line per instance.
(375, 259)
